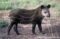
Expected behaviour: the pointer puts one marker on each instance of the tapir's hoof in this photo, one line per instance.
(8, 34)
(19, 34)
(34, 34)
(43, 32)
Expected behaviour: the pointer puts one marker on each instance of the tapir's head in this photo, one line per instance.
(45, 10)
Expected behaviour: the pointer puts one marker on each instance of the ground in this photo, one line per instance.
(50, 26)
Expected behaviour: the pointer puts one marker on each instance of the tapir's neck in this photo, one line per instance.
(38, 13)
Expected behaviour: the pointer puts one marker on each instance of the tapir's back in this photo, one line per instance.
(22, 14)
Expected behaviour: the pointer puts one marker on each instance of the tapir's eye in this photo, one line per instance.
(45, 12)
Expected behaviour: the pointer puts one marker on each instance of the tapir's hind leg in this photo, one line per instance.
(10, 27)
(15, 29)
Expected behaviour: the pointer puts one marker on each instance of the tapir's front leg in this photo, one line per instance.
(33, 27)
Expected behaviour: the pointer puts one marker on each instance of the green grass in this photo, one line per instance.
(3, 24)
(24, 3)
(8, 4)
(4, 6)
(4, 0)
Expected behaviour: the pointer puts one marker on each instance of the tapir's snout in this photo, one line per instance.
(48, 16)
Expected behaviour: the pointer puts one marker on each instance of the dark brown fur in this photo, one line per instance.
(19, 15)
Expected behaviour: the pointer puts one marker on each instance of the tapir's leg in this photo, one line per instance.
(15, 29)
(33, 28)
(10, 27)
(40, 26)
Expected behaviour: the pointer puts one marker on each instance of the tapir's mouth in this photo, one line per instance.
(48, 16)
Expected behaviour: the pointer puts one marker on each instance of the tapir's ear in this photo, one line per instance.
(42, 6)
(49, 6)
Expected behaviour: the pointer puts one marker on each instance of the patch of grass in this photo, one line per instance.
(4, 0)
(3, 24)
(5, 6)
(25, 3)
(21, 3)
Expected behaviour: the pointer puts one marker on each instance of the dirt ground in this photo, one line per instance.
(51, 28)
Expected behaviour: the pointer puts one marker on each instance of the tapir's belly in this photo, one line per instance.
(25, 19)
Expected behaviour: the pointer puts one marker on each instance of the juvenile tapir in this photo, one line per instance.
(35, 16)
